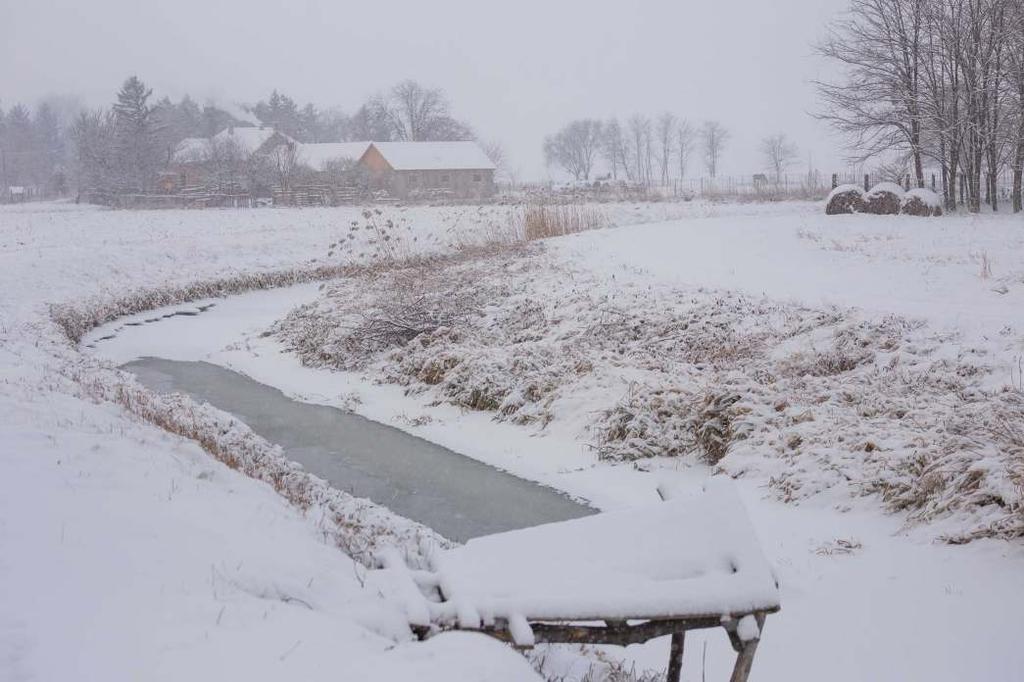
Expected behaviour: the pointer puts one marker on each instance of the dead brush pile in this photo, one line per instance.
(807, 399)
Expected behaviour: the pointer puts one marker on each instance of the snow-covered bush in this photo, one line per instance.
(830, 398)
(845, 199)
(921, 202)
(885, 198)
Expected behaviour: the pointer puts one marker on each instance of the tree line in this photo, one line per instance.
(124, 147)
(32, 147)
(938, 83)
(650, 151)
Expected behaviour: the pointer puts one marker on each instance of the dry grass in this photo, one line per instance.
(76, 320)
(670, 423)
(357, 526)
(541, 221)
(812, 399)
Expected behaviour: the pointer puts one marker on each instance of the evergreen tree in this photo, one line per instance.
(137, 143)
(48, 148)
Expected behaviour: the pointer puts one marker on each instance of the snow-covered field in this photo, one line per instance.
(113, 532)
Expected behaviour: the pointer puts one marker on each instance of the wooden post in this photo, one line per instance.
(867, 182)
(745, 657)
(675, 658)
(744, 661)
(933, 182)
(835, 180)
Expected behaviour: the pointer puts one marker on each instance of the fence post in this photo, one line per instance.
(867, 182)
(933, 182)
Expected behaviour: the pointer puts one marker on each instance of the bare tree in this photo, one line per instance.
(419, 113)
(665, 130)
(779, 154)
(876, 101)
(932, 79)
(713, 136)
(224, 161)
(284, 164)
(1015, 78)
(640, 149)
(496, 153)
(613, 149)
(684, 145)
(373, 121)
(573, 147)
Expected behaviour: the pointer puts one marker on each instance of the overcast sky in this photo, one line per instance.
(515, 70)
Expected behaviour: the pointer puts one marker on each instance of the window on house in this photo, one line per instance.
(412, 179)
(444, 178)
(477, 177)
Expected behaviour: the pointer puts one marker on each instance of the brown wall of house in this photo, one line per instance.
(404, 184)
(374, 162)
(463, 184)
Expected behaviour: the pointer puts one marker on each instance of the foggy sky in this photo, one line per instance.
(515, 70)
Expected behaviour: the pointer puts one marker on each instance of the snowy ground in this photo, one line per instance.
(863, 596)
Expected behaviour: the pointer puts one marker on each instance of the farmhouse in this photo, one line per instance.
(407, 170)
(251, 141)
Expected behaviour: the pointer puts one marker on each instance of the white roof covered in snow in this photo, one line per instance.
(434, 155)
(318, 155)
(695, 555)
(248, 139)
(191, 149)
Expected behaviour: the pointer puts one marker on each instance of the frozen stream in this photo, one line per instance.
(459, 497)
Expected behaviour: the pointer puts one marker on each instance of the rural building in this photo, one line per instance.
(322, 156)
(406, 170)
(252, 140)
(187, 168)
(219, 161)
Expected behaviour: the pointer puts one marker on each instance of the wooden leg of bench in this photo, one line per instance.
(744, 660)
(675, 658)
(745, 656)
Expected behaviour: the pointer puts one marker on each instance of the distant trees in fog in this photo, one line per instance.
(643, 151)
(574, 148)
(779, 154)
(33, 147)
(125, 147)
(408, 111)
(936, 81)
(713, 137)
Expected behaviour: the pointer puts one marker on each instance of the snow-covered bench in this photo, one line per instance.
(690, 562)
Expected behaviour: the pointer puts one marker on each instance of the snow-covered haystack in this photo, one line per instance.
(845, 199)
(885, 198)
(921, 202)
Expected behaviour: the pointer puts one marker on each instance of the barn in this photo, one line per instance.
(322, 156)
(411, 170)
